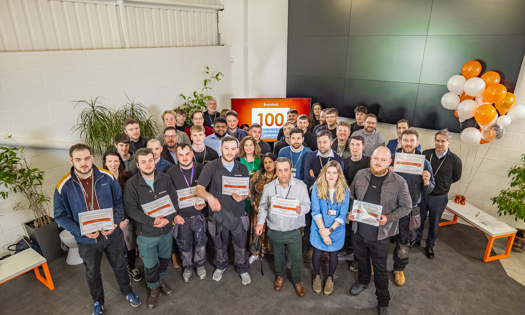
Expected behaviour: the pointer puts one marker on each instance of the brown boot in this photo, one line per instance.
(308, 255)
(299, 289)
(278, 284)
(165, 289)
(176, 260)
(153, 298)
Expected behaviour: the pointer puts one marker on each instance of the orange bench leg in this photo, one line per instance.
(47, 281)
(454, 221)
(491, 243)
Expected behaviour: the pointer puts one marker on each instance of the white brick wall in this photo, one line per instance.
(38, 90)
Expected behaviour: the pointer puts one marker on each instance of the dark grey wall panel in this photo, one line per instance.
(317, 56)
(445, 55)
(392, 17)
(388, 58)
(477, 17)
(390, 101)
(319, 17)
(328, 91)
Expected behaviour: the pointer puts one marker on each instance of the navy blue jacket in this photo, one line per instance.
(312, 162)
(69, 201)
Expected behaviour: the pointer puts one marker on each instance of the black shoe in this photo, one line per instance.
(381, 310)
(353, 266)
(153, 298)
(165, 289)
(429, 251)
(415, 244)
(135, 274)
(357, 288)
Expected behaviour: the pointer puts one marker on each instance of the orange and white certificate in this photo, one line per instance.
(238, 185)
(96, 220)
(188, 197)
(162, 206)
(366, 212)
(409, 163)
(284, 207)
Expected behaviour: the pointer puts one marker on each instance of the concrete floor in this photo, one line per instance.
(457, 281)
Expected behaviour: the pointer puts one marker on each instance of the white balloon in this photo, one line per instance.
(470, 136)
(504, 121)
(455, 84)
(474, 86)
(516, 112)
(466, 109)
(450, 101)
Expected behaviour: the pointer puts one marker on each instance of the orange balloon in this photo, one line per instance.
(488, 134)
(471, 69)
(481, 141)
(504, 105)
(490, 78)
(494, 93)
(465, 96)
(485, 114)
(456, 114)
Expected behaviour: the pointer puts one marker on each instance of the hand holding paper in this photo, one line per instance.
(382, 220)
(160, 222)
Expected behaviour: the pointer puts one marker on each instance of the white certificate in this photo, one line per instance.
(188, 197)
(96, 220)
(162, 206)
(238, 185)
(409, 163)
(367, 213)
(284, 207)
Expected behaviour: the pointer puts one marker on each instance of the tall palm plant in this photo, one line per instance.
(139, 112)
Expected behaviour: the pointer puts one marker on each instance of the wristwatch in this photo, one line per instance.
(331, 230)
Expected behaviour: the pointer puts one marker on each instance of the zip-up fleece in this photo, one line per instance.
(69, 201)
(137, 192)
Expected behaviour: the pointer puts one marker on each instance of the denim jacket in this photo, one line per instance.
(395, 199)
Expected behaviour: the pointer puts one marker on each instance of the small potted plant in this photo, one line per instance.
(511, 201)
(17, 176)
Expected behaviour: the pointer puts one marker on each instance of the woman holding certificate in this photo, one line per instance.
(249, 156)
(330, 201)
(263, 176)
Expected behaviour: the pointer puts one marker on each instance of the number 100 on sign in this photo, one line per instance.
(270, 119)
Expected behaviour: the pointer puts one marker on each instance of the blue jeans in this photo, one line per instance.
(435, 205)
(113, 246)
(156, 253)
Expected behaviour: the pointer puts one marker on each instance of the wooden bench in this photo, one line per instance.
(484, 222)
(23, 262)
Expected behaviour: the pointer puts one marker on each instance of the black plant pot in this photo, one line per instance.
(47, 238)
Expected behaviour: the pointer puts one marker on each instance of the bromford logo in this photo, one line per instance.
(271, 104)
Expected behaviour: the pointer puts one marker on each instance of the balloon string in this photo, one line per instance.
(479, 165)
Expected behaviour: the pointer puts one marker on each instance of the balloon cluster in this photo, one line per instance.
(482, 98)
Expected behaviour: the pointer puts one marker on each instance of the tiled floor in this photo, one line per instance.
(457, 281)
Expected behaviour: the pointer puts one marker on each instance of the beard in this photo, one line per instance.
(369, 129)
(378, 171)
(186, 165)
(219, 135)
(408, 149)
(143, 172)
(226, 159)
(78, 170)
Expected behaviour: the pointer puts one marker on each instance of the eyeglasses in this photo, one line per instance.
(170, 137)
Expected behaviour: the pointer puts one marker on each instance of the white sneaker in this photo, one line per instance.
(217, 274)
(245, 278)
(253, 258)
(201, 272)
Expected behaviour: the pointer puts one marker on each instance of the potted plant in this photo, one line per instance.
(198, 100)
(17, 176)
(511, 201)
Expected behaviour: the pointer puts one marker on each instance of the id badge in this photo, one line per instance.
(332, 212)
(294, 173)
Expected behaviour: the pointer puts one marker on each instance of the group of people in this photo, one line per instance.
(318, 164)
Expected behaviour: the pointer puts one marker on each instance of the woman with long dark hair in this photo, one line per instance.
(264, 175)
(314, 116)
(112, 161)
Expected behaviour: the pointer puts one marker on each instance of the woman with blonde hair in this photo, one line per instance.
(330, 201)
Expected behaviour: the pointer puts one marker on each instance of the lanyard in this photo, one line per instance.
(191, 180)
(90, 206)
(439, 164)
(291, 156)
(203, 157)
(321, 162)
(289, 188)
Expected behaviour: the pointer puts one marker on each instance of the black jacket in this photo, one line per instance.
(447, 170)
(167, 156)
(310, 140)
(137, 192)
(209, 155)
(141, 143)
(179, 182)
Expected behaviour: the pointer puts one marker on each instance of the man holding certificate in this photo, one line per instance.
(190, 233)
(88, 203)
(383, 194)
(283, 206)
(150, 200)
(418, 175)
(227, 182)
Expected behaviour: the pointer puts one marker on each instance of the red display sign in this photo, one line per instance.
(270, 113)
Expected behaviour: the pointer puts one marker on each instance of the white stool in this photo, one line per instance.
(73, 257)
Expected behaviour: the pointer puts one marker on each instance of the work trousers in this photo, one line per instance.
(91, 254)
(293, 241)
(402, 244)
(221, 236)
(156, 253)
(435, 205)
(191, 239)
(377, 250)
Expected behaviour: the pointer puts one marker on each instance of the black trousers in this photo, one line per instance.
(191, 239)
(377, 250)
(114, 248)
(221, 236)
(435, 205)
(402, 244)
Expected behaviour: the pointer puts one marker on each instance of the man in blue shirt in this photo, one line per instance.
(219, 131)
(161, 164)
(395, 144)
(296, 152)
